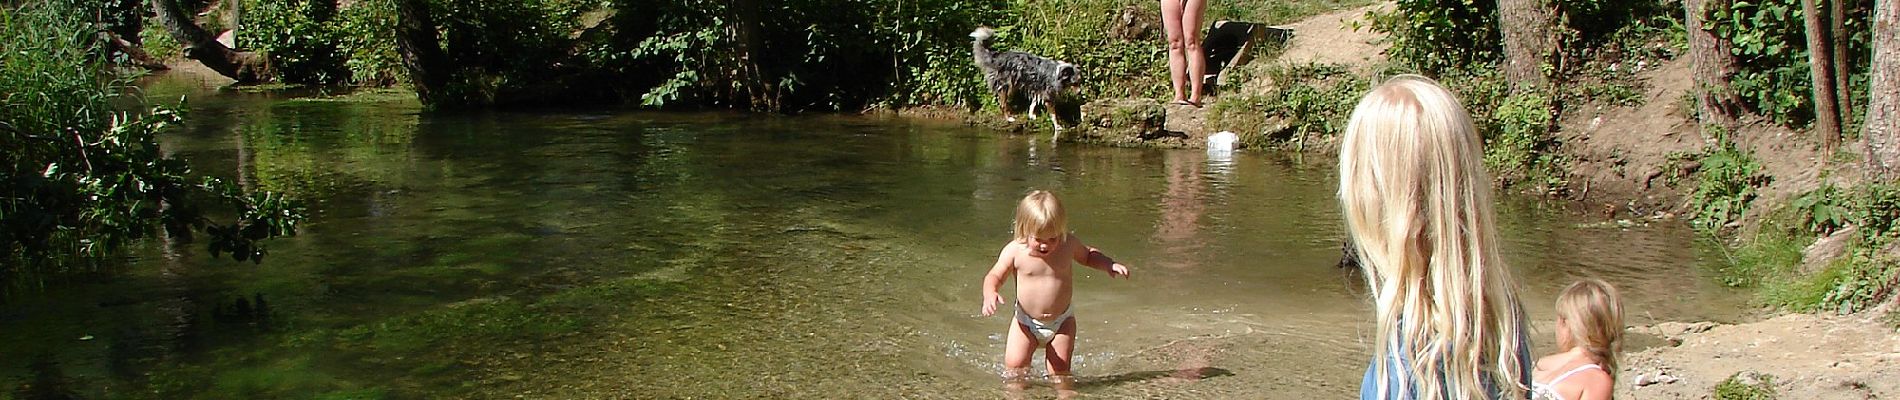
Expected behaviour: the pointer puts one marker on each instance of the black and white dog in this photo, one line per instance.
(1011, 72)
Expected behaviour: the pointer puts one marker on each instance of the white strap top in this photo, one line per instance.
(1548, 391)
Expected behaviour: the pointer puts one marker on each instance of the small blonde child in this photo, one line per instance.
(1040, 257)
(1590, 336)
(1417, 203)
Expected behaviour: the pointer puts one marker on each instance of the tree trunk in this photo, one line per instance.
(1883, 108)
(246, 67)
(1827, 114)
(416, 40)
(125, 19)
(135, 54)
(1711, 65)
(1528, 27)
(748, 20)
(1843, 96)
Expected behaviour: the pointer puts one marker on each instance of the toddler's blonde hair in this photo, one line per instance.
(1593, 313)
(1417, 203)
(1040, 214)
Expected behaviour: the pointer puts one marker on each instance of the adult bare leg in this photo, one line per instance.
(1191, 15)
(1171, 11)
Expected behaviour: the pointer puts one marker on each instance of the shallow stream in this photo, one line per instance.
(614, 254)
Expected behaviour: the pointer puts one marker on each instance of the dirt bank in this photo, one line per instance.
(1808, 356)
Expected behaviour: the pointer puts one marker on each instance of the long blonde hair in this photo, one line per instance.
(1040, 214)
(1417, 203)
(1593, 314)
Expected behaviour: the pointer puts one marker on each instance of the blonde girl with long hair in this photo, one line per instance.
(1417, 203)
(1590, 335)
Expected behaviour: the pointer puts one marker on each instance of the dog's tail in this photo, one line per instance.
(981, 47)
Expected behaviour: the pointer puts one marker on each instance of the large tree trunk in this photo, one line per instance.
(416, 40)
(1711, 64)
(1827, 114)
(201, 45)
(1883, 108)
(1527, 26)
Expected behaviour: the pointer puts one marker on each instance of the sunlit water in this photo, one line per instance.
(608, 254)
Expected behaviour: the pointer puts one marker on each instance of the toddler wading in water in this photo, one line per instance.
(1590, 334)
(1041, 256)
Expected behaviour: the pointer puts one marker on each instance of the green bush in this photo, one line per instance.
(1517, 143)
(83, 177)
(1769, 41)
(1727, 181)
(158, 42)
(1876, 210)
(369, 42)
(1861, 278)
(1821, 210)
(300, 37)
(1437, 36)
(1862, 281)
(1315, 99)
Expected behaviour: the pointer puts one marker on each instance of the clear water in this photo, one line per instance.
(611, 254)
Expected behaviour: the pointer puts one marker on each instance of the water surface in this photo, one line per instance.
(614, 254)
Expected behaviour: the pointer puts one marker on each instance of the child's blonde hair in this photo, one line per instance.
(1040, 214)
(1417, 203)
(1593, 314)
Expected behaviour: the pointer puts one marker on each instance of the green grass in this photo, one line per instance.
(1734, 389)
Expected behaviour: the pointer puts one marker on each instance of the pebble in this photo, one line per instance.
(1651, 379)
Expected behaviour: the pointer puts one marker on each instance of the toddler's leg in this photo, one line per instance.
(1017, 351)
(1059, 351)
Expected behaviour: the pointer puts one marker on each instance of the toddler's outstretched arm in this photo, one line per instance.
(1094, 258)
(993, 282)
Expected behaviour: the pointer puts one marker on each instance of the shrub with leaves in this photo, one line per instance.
(1317, 98)
(1820, 211)
(1517, 143)
(1769, 42)
(369, 42)
(1727, 181)
(300, 37)
(80, 178)
(1436, 36)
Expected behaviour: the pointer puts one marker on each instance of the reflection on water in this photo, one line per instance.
(596, 254)
(1180, 208)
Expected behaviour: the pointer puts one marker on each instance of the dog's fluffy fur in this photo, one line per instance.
(1011, 72)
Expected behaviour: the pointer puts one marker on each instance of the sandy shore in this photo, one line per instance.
(1808, 356)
